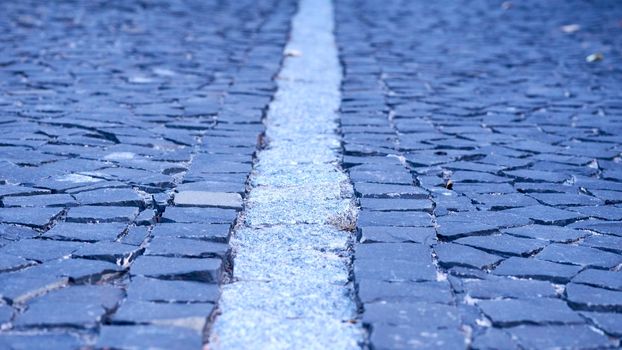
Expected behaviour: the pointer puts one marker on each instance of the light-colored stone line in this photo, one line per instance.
(291, 286)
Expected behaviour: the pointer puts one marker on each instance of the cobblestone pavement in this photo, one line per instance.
(483, 139)
(485, 150)
(107, 109)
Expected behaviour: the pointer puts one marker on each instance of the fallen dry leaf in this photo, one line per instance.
(449, 185)
(293, 53)
(570, 28)
(597, 56)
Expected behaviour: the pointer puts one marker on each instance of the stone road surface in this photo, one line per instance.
(483, 139)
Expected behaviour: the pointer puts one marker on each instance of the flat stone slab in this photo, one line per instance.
(208, 199)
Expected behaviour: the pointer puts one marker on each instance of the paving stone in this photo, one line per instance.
(593, 299)
(419, 316)
(494, 338)
(145, 312)
(9, 262)
(113, 252)
(508, 288)
(152, 337)
(393, 218)
(503, 244)
(209, 232)
(504, 201)
(387, 337)
(376, 234)
(38, 218)
(541, 214)
(371, 291)
(611, 323)
(600, 278)
(579, 255)
(536, 269)
(135, 235)
(89, 232)
(609, 243)
(36, 341)
(182, 247)
(450, 254)
(77, 306)
(46, 200)
(110, 197)
(101, 214)
(200, 270)
(378, 204)
(208, 199)
(547, 232)
(150, 289)
(512, 312)
(376, 190)
(199, 215)
(40, 249)
(6, 313)
(15, 233)
(564, 337)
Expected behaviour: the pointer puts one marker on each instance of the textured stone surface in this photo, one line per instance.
(492, 112)
(107, 111)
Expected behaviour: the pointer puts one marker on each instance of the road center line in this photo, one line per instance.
(291, 264)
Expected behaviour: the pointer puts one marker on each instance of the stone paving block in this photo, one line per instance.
(151, 289)
(450, 254)
(113, 252)
(494, 338)
(46, 200)
(395, 270)
(38, 218)
(565, 336)
(208, 199)
(151, 336)
(385, 337)
(419, 316)
(611, 323)
(579, 255)
(600, 278)
(9, 262)
(494, 288)
(135, 235)
(589, 298)
(99, 214)
(512, 312)
(200, 270)
(503, 244)
(394, 218)
(536, 269)
(41, 249)
(376, 190)
(376, 234)
(199, 215)
(547, 232)
(110, 197)
(371, 291)
(76, 306)
(38, 341)
(541, 214)
(377, 204)
(89, 232)
(182, 247)
(209, 232)
(146, 312)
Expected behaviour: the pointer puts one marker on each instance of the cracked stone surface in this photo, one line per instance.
(112, 114)
(479, 140)
(491, 111)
